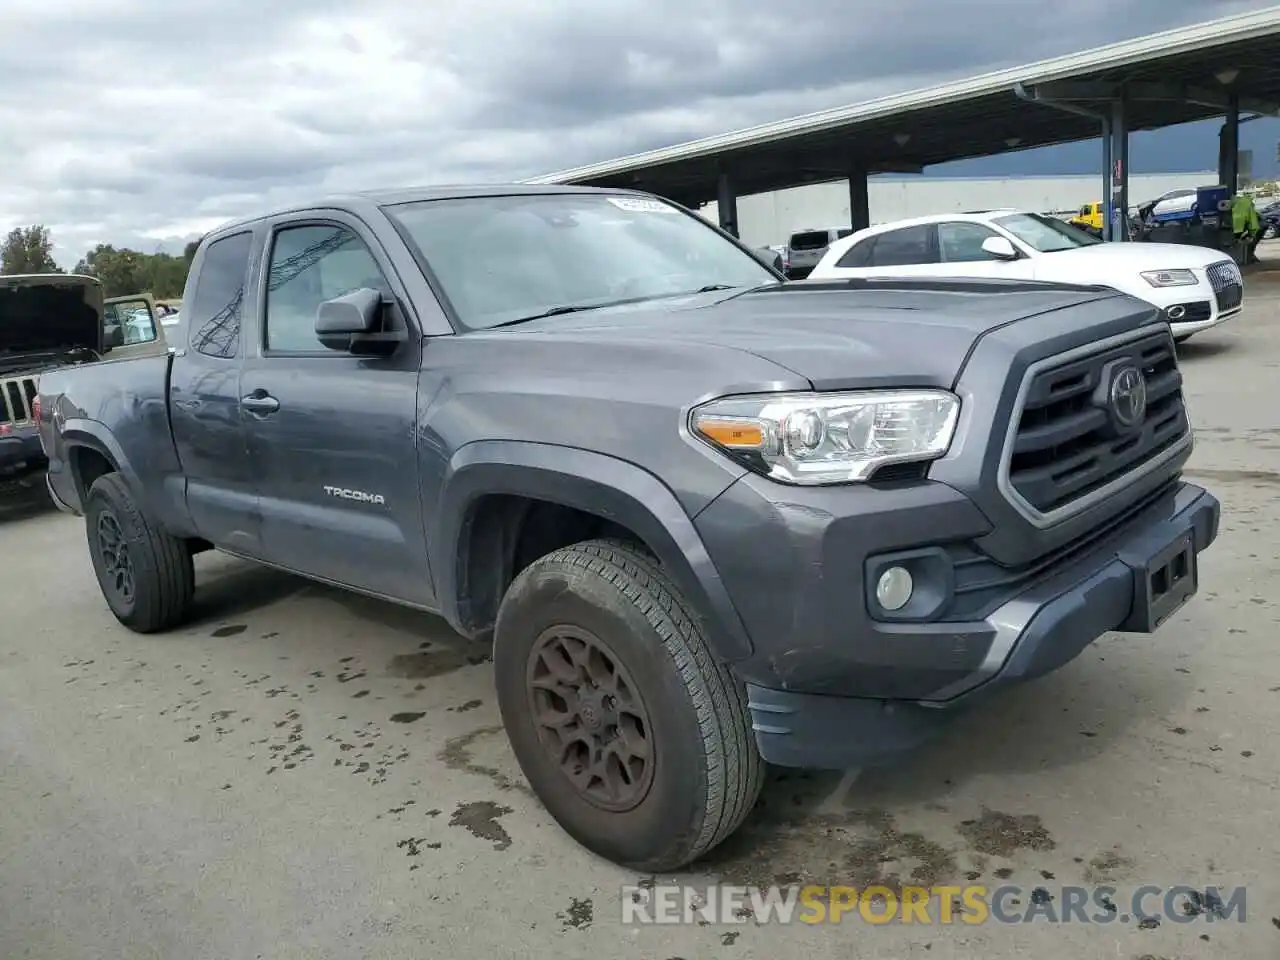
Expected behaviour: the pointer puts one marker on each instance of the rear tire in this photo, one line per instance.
(146, 575)
(666, 722)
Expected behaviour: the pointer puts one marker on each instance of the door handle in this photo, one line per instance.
(260, 402)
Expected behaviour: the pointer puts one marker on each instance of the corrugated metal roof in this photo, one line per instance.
(1195, 39)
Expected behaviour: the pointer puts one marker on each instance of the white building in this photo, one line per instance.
(770, 218)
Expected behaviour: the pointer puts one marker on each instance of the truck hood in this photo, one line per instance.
(1104, 260)
(851, 334)
(49, 314)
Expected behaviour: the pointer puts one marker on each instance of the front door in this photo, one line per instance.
(961, 254)
(333, 435)
(130, 328)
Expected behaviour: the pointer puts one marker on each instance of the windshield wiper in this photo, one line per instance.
(581, 307)
(569, 308)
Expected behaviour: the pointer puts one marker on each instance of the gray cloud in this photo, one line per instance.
(143, 122)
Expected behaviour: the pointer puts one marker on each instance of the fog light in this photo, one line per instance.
(894, 588)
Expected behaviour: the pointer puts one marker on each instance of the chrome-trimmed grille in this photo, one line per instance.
(17, 397)
(1063, 452)
(1228, 285)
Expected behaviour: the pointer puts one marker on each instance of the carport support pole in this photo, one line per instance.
(1106, 179)
(859, 200)
(1119, 173)
(727, 201)
(1229, 146)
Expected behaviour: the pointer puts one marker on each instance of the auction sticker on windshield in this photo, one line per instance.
(642, 205)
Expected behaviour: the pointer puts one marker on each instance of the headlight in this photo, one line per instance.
(817, 438)
(1170, 278)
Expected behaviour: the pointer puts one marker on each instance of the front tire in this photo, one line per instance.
(146, 575)
(635, 738)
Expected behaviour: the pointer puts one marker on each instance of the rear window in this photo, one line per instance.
(811, 240)
(214, 314)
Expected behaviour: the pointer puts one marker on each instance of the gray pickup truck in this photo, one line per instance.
(709, 518)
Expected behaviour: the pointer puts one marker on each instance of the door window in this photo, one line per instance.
(310, 265)
(961, 242)
(909, 246)
(859, 255)
(219, 298)
(133, 320)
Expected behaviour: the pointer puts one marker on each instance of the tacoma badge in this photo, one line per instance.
(358, 495)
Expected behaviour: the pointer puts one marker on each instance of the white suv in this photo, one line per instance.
(1196, 287)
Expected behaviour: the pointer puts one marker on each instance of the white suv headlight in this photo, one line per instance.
(822, 438)
(1170, 278)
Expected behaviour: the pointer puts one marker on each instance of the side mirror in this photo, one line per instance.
(1000, 247)
(352, 313)
(770, 258)
(352, 323)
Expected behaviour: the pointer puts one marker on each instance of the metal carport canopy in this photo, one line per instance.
(1164, 79)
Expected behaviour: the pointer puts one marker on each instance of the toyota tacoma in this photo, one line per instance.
(709, 518)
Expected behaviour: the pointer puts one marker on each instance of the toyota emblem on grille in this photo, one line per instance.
(1128, 396)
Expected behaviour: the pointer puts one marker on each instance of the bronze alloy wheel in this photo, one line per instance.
(590, 717)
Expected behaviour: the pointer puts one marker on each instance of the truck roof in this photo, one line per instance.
(363, 199)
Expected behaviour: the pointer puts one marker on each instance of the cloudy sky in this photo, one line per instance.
(143, 123)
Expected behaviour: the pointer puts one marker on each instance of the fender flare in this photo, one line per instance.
(595, 483)
(95, 436)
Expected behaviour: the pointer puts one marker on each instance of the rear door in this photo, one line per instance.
(806, 249)
(904, 252)
(332, 436)
(204, 400)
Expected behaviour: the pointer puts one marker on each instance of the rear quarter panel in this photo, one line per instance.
(119, 409)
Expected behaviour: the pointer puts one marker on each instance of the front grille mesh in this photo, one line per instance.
(1067, 444)
(1228, 286)
(17, 397)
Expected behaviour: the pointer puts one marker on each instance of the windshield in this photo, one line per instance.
(1045, 234)
(507, 258)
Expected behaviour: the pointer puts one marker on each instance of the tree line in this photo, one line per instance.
(121, 271)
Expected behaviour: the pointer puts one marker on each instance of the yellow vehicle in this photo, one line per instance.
(1090, 217)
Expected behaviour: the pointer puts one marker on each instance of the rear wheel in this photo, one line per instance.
(636, 739)
(146, 575)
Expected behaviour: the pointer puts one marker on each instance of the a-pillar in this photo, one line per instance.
(1119, 172)
(1229, 146)
(727, 201)
(859, 200)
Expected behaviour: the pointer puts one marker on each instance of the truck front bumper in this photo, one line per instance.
(883, 687)
(20, 453)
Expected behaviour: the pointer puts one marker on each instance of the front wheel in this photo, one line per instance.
(146, 575)
(635, 738)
